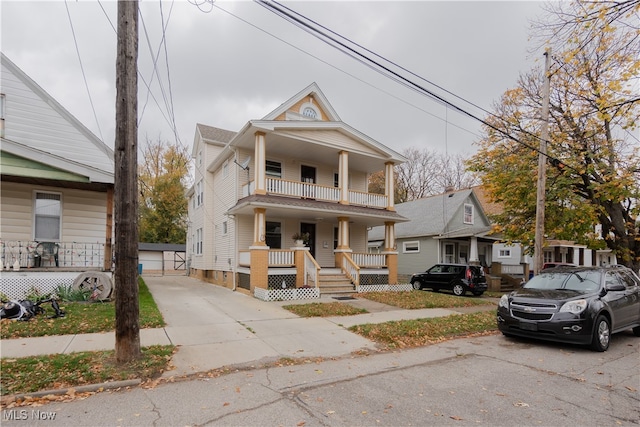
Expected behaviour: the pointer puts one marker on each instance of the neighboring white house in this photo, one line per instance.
(450, 227)
(57, 183)
(300, 169)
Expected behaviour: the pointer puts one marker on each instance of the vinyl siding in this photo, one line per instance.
(83, 213)
(29, 119)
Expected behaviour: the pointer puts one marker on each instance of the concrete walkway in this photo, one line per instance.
(215, 327)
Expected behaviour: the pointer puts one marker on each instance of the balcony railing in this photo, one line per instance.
(59, 254)
(307, 190)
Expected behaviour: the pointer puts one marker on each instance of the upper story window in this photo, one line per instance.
(309, 111)
(225, 169)
(468, 213)
(225, 227)
(336, 179)
(48, 216)
(273, 169)
(199, 193)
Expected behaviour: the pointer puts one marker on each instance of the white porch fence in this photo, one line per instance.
(367, 260)
(69, 254)
(308, 190)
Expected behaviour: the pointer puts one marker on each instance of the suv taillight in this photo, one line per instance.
(469, 274)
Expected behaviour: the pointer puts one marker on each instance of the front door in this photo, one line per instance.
(305, 227)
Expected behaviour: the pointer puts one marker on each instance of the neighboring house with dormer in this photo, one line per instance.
(450, 227)
(57, 184)
(300, 169)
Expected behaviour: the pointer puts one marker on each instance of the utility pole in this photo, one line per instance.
(126, 185)
(542, 168)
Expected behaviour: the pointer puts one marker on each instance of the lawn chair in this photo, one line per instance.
(48, 252)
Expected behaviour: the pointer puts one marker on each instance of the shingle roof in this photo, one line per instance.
(211, 133)
(429, 216)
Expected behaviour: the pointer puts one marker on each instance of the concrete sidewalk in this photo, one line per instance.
(215, 327)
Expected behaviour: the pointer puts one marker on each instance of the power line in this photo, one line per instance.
(386, 71)
(86, 85)
(214, 5)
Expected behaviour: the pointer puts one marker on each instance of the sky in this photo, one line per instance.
(231, 62)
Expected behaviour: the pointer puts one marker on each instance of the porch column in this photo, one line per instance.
(259, 226)
(343, 239)
(473, 251)
(259, 269)
(260, 164)
(389, 236)
(390, 252)
(389, 185)
(343, 177)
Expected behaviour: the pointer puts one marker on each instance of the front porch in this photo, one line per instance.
(31, 267)
(294, 274)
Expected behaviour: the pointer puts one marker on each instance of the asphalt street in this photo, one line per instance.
(489, 380)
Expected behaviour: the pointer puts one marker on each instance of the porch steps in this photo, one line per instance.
(334, 282)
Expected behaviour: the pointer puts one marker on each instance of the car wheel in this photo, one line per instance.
(416, 285)
(601, 334)
(636, 331)
(458, 289)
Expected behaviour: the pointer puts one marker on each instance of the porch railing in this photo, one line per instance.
(281, 258)
(308, 190)
(276, 258)
(514, 270)
(311, 269)
(69, 254)
(368, 260)
(351, 269)
(367, 199)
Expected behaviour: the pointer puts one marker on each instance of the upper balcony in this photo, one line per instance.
(306, 190)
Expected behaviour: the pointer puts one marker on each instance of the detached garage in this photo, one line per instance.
(162, 258)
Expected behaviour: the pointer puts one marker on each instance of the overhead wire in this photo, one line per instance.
(170, 122)
(300, 21)
(84, 76)
(215, 5)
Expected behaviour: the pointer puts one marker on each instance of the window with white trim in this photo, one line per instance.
(468, 213)
(412, 247)
(199, 241)
(273, 169)
(199, 193)
(504, 253)
(225, 169)
(47, 216)
(224, 227)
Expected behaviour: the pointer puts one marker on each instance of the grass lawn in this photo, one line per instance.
(319, 309)
(29, 374)
(82, 318)
(55, 371)
(410, 333)
(419, 332)
(413, 300)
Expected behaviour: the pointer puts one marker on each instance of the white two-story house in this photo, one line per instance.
(300, 169)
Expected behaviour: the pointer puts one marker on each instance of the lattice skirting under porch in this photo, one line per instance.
(18, 285)
(384, 288)
(286, 294)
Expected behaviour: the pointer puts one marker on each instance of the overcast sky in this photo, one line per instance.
(237, 61)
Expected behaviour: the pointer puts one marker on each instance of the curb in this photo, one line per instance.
(80, 389)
